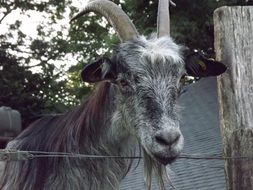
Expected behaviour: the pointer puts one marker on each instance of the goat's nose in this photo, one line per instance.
(167, 137)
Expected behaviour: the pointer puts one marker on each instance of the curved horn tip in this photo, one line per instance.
(114, 15)
(71, 20)
(78, 15)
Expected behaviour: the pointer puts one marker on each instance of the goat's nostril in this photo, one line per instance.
(177, 138)
(167, 139)
(161, 140)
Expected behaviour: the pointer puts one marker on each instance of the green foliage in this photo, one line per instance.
(30, 79)
(30, 93)
(191, 21)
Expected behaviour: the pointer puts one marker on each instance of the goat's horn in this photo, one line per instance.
(115, 16)
(163, 18)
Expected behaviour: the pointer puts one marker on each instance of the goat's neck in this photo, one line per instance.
(118, 134)
(121, 138)
(110, 138)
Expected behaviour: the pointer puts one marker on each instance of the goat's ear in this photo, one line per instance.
(101, 69)
(199, 66)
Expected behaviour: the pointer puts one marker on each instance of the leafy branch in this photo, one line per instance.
(9, 9)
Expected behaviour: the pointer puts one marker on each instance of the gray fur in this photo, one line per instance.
(124, 116)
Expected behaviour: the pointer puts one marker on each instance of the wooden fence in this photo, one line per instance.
(234, 46)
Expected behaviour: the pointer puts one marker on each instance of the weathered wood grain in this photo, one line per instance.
(234, 46)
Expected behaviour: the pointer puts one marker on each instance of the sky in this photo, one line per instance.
(30, 23)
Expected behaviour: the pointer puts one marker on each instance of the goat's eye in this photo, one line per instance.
(123, 82)
(136, 79)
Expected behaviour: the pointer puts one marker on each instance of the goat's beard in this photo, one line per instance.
(160, 171)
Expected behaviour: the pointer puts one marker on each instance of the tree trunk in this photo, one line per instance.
(234, 46)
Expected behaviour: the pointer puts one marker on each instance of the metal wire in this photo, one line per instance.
(17, 155)
(212, 157)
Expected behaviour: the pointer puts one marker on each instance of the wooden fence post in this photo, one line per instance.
(234, 46)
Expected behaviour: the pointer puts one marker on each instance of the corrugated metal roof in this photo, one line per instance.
(200, 127)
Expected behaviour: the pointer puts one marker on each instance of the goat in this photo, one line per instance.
(135, 102)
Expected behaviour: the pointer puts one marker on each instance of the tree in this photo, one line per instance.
(192, 27)
(44, 57)
(30, 93)
(30, 82)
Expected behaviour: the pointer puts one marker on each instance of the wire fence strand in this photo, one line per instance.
(16, 155)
